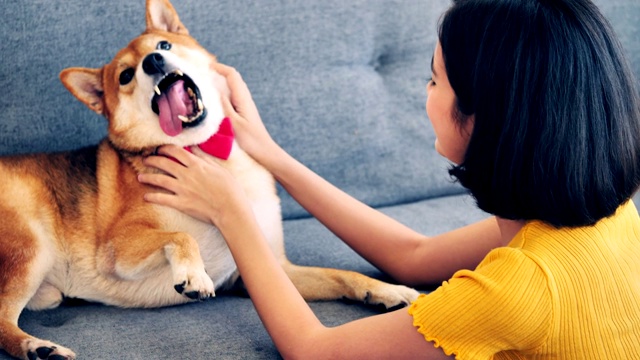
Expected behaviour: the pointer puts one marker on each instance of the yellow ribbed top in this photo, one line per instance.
(551, 294)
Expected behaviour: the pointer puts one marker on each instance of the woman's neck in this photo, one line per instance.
(509, 229)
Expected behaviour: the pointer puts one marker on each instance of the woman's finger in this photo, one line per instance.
(159, 180)
(240, 94)
(232, 75)
(230, 111)
(161, 162)
(174, 152)
(222, 69)
(161, 199)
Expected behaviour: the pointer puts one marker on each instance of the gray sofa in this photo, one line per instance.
(340, 84)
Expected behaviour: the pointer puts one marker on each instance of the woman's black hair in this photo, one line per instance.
(555, 106)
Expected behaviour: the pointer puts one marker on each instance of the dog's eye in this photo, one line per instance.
(126, 76)
(164, 45)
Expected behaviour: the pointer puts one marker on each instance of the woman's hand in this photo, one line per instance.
(251, 134)
(200, 188)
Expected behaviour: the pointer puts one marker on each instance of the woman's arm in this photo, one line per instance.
(295, 330)
(408, 256)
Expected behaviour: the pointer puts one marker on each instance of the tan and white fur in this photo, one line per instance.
(75, 224)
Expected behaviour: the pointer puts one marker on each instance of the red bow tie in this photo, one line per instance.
(220, 143)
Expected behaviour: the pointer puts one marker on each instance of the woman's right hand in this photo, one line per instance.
(250, 132)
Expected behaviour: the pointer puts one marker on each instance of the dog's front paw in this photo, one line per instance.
(392, 297)
(41, 349)
(194, 284)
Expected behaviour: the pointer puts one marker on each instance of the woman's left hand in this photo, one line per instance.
(200, 188)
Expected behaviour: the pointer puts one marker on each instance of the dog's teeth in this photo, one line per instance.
(157, 90)
(183, 118)
(190, 92)
(180, 73)
(200, 105)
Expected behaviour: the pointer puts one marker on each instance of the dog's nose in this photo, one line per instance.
(153, 64)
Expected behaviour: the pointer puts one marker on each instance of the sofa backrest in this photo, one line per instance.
(340, 84)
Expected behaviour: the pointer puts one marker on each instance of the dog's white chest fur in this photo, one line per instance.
(85, 277)
(260, 188)
(217, 258)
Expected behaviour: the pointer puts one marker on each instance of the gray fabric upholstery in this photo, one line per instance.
(228, 327)
(340, 84)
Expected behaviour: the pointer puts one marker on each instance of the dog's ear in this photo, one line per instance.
(86, 85)
(162, 16)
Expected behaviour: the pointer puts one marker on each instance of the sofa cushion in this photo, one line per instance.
(227, 327)
(340, 85)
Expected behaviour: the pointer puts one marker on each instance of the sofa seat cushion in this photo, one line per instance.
(228, 327)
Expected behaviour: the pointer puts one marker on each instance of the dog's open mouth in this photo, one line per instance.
(178, 103)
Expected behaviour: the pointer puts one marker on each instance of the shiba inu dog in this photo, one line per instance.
(75, 224)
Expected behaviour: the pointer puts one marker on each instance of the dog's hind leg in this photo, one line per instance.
(141, 252)
(316, 283)
(47, 297)
(23, 266)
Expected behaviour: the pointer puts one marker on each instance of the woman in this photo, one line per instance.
(534, 102)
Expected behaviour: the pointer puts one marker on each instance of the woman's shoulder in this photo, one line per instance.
(621, 230)
(585, 259)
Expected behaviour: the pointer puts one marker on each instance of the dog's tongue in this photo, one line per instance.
(172, 103)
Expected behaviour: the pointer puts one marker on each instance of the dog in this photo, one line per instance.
(75, 224)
